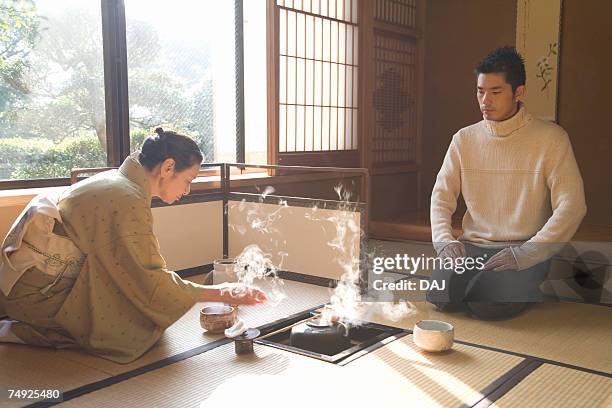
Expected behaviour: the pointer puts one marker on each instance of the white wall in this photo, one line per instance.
(303, 235)
(189, 235)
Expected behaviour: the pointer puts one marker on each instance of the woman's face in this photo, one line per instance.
(172, 184)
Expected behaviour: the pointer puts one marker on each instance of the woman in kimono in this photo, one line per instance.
(85, 270)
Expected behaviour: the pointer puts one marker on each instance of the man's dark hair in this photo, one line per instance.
(504, 60)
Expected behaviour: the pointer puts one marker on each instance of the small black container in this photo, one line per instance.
(243, 344)
(320, 337)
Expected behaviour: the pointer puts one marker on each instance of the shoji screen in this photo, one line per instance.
(317, 76)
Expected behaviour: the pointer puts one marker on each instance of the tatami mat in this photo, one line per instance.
(559, 387)
(37, 368)
(395, 374)
(572, 333)
(72, 368)
(187, 334)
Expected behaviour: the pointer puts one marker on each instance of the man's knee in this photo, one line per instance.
(447, 286)
(438, 295)
(444, 297)
(496, 310)
(450, 307)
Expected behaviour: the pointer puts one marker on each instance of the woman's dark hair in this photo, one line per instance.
(504, 60)
(169, 145)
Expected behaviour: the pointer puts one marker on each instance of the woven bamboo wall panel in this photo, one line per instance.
(318, 75)
(395, 92)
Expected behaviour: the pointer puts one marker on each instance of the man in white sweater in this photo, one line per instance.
(523, 192)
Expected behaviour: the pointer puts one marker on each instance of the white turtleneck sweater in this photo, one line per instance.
(520, 182)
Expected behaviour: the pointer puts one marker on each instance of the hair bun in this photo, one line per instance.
(167, 144)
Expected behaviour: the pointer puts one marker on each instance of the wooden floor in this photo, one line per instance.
(553, 355)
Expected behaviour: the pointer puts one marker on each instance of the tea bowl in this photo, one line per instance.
(433, 335)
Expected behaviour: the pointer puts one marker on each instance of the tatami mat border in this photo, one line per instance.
(504, 384)
(573, 300)
(373, 347)
(95, 386)
(538, 359)
(491, 393)
(554, 387)
(85, 389)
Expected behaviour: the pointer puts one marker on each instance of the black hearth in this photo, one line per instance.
(334, 343)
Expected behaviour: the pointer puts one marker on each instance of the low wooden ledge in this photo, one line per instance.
(399, 231)
(592, 232)
(415, 226)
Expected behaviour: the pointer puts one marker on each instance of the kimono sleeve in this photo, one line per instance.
(133, 262)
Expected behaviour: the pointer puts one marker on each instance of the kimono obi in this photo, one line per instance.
(32, 242)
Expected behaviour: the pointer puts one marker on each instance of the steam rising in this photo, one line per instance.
(345, 302)
(253, 264)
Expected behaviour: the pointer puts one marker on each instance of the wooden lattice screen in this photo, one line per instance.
(394, 100)
(317, 75)
(399, 12)
(395, 59)
(392, 82)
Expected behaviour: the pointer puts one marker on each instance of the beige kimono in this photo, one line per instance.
(123, 298)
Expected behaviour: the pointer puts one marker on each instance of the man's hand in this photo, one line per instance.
(453, 250)
(240, 294)
(502, 261)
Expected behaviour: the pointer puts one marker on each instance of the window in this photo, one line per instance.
(52, 112)
(255, 86)
(181, 72)
(83, 82)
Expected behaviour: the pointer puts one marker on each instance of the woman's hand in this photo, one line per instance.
(240, 294)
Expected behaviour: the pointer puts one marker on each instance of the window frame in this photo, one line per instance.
(116, 92)
(324, 158)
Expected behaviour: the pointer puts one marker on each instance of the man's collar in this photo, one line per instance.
(133, 171)
(510, 125)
